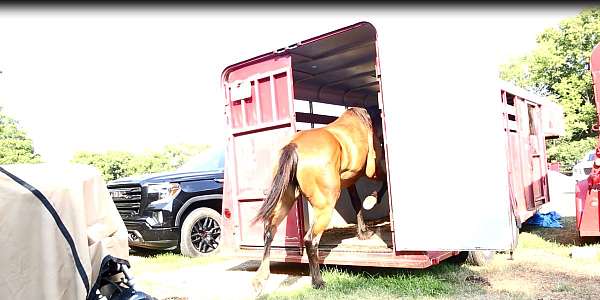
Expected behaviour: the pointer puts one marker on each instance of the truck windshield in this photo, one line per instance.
(210, 160)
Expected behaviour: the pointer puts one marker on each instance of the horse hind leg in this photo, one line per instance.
(270, 228)
(311, 242)
(363, 232)
(312, 238)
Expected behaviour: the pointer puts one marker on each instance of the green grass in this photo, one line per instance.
(542, 268)
(533, 241)
(168, 261)
(563, 287)
(442, 281)
(448, 280)
(558, 241)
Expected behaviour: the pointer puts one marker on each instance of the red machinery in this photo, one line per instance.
(587, 191)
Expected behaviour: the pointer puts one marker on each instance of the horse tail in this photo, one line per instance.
(285, 178)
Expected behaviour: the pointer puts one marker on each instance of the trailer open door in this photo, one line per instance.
(446, 147)
(259, 98)
(534, 142)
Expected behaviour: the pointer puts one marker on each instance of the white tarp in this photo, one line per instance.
(57, 224)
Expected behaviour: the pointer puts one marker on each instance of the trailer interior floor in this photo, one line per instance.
(344, 239)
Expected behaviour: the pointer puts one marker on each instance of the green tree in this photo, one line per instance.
(112, 164)
(119, 164)
(15, 145)
(178, 154)
(556, 69)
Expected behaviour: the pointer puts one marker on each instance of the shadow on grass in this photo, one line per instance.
(143, 252)
(358, 282)
(566, 236)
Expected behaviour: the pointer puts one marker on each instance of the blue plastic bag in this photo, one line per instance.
(550, 220)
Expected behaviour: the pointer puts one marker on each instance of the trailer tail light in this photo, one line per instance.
(227, 213)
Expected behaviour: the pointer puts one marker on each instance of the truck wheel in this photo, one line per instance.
(201, 233)
(480, 257)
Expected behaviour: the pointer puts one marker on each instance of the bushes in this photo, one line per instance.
(118, 164)
(568, 152)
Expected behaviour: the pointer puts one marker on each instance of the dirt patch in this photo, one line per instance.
(531, 278)
(220, 279)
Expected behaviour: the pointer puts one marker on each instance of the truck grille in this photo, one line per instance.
(127, 199)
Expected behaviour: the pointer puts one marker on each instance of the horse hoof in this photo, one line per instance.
(365, 235)
(369, 202)
(319, 284)
(257, 285)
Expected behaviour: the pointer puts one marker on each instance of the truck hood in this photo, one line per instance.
(166, 177)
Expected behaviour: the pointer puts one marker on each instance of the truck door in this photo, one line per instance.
(260, 116)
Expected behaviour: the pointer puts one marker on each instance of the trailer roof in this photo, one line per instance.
(340, 65)
(337, 67)
(523, 93)
(279, 51)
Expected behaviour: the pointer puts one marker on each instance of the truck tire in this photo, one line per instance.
(480, 257)
(201, 233)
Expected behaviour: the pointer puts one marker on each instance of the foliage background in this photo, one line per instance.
(118, 164)
(15, 145)
(556, 68)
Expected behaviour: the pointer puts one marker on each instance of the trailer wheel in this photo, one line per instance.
(201, 233)
(480, 257)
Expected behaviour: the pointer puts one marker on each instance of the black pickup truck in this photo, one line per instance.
(174, 210)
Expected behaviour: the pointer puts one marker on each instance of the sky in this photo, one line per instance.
(88, 79)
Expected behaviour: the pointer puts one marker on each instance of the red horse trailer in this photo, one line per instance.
(587, 192)
(465, 167)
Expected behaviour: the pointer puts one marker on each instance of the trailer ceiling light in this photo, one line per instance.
(314, 66)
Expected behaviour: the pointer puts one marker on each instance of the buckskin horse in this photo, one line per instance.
(318, 163)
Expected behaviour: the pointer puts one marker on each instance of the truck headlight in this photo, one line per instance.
(165, 192)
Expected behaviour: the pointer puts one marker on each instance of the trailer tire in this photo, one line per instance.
(205, 225)
(480, 257)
